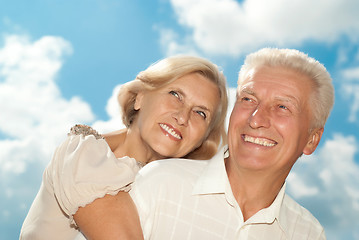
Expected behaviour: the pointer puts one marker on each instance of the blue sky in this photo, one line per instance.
(61, 63)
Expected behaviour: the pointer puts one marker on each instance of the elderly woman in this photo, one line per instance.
(175, 108)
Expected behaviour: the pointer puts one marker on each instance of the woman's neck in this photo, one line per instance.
(127, 142)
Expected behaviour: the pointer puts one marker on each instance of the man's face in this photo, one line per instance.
(270, 124)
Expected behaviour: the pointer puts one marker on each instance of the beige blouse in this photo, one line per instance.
(83, 169)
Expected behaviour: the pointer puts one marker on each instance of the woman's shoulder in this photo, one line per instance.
(85, 130)
(82, 137)
(115, 138)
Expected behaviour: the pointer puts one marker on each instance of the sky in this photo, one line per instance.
(62, 62)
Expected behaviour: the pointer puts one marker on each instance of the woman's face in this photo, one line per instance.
(174, 120)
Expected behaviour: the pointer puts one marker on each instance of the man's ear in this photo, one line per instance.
(138, 100)
(313, 141)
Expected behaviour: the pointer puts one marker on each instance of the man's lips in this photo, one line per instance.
(171, 131)
(259, 141)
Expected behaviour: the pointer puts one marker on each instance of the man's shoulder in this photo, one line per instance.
(299, 219)
(174, 167)
(163, 176)
(296, 209)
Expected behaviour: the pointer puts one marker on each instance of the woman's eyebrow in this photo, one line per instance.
(205, 108)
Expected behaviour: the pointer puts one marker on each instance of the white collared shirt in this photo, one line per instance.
(192, 199)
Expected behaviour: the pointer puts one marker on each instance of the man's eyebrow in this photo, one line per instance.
(286, 98)
(246, 90)
(290, 99)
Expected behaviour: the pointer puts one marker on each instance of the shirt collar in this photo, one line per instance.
(283, 217)
(214, 176)
(271, 213)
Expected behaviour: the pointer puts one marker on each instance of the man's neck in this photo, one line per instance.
(253, 191)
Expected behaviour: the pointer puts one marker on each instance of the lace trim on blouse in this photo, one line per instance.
(85, 130)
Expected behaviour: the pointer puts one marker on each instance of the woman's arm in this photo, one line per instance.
(110, 217)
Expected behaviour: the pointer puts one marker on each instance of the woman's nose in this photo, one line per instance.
(182, 116)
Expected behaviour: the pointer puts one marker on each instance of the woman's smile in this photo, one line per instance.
(170, 131)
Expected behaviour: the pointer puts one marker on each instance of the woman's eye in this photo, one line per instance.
(202, 114)
(174, 93)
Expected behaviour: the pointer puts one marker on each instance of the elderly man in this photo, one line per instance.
(283, 100)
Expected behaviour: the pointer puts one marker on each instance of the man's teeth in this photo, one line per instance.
(259, 141)
(170, 131)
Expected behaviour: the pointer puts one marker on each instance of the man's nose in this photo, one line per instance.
(260, 117)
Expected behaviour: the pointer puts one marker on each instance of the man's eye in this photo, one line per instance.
(174, 93)
(283, 107)
(246, 99)
(202, 114)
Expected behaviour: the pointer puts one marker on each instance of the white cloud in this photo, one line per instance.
(113, 110)
(327, 181)
(34, 119)
(232, 28)
(172, 44)
(231, 101)
(350, 90)
(34, 114)
(351, 73)
(301, 189)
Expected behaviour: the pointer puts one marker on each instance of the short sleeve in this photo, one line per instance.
(83, 169)
(142, 197)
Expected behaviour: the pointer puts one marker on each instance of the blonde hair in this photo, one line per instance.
(323, 94)
(166, 71)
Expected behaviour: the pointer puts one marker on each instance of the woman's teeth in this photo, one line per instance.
(171, 131)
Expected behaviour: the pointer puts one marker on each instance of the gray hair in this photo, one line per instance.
(323, 94)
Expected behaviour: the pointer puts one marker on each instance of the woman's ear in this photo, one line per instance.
(138, 101)
(313, 141)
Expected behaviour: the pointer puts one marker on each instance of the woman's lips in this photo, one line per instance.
(171, 131)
